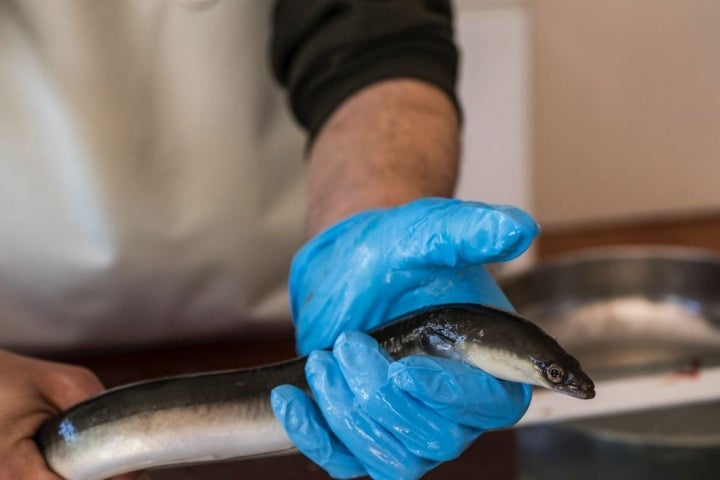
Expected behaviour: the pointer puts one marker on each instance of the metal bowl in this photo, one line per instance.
(625, 307)
(625, 311)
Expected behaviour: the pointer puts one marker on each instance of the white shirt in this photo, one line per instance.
(151, 179)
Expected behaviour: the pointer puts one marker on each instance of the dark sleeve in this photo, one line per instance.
(324, 50)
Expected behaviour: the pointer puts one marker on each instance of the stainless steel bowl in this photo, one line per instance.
(625, 307)
(622, 312)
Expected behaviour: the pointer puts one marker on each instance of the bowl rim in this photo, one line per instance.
(614, 252)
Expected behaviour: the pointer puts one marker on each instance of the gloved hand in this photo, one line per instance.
(396, 420)
(391, 420)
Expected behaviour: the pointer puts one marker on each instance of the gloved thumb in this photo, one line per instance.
(449, 233)
(460, 392)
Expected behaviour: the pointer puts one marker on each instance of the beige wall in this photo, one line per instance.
(627, 109)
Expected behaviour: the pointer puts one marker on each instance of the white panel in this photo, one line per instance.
(495, 93)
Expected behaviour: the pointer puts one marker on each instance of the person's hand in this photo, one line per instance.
(391, 420)
(30, 392)
(371, 415)
(381, 264)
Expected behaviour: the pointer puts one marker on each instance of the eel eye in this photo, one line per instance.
(555, 373)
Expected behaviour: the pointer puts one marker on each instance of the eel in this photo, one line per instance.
(227, 415)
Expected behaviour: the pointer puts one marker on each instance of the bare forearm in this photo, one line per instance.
(388, 144)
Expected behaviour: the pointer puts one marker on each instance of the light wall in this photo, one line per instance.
(495, 90)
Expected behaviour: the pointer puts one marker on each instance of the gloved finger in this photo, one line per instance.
(383, 455)
(460, 392)
(307, 429)
(452, 232)
(423, 431)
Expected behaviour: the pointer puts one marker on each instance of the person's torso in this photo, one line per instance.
(151, 183)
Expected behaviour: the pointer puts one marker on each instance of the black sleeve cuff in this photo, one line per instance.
(325, 50)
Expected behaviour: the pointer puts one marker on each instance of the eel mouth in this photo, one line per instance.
(584, 391)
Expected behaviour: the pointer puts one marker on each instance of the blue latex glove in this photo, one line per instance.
(372, 416)
(391, 420)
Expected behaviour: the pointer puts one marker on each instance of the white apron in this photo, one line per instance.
(151, 180)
